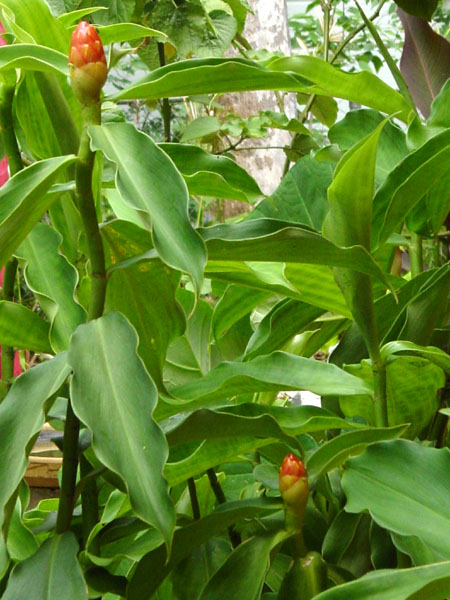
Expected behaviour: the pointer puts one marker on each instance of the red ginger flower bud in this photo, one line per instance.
(88, 63)
(294, 485)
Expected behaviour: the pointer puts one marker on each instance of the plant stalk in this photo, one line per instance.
(234, 536)
(193, 497)
(416, 254)
(86, 205)
(15, 165)
(166, 109)
(89, 504)
(379, 384)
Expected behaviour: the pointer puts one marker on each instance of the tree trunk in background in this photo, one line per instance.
(267, 28)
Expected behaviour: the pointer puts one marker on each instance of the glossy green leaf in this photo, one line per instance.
(125, 32)
(425, 62)
(204, 76)
(407, 184)
(67, 18)
(186, 539)
(412, 546)
(21, 418)
(348, 223)
(400, 483)
(431, 582)
(210, 175)
(334, 453)
(53, 573)
(236, 302)
(21, 543)
(243, 573)
(277, 371)
(431, 353)
(273, 240)
(145, 294)
(286, 319)
(52, 279)
(31, 57)
(301, 196)
(22, 328)
(208, 424)
(23, 201)
(356, 125)
(148, 181)
(121, 388)
(211, 453)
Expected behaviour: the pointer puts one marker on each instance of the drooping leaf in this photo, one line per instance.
(431, 582)
(312, 75)
(186, 539)
(52, 279)
(334, 453)
(22, 328)
(121, 388)
(236, 302)
(31, 57)
(52, 573)
(149, 182)
(425, 62)
(401, 485)
(209, 175)
(431, 353)
(21, 418)
(23, 201)
(125, 32)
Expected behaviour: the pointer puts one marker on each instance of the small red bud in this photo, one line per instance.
(88, 70)
(294, 486)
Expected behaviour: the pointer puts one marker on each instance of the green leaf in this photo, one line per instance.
(243, 573)
(236, 302)
(277, 371)
(419, 552)
(186, 539)
(53, 280)
(121, 388)
(286, 319)
(21, 418)
(22, 328)
(31, 57)
(273, 240)
(67, 18)
(125, 32)
(400, 483)
(431, 582)
(118, 11)
(201, 127)
(210, 175)
(52, 573)
(149, 182)
(301, 196)
(351, 194)
(419, 8)
(215, 76)
(356, 125)
(407, 184)
(434, 355)
(23, 201)
(334, 453)
(425, 62)
(145, 293)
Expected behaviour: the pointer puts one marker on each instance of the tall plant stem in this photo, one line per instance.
(416, 254)
(86, 205)
(193, 498)
(15, 164)
(379, 386)
(166, 110)
(234, 536)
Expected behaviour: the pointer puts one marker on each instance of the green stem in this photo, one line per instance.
(193, 497)
(234, 536)
(89, 504)
(326, 9)
(416, 254)
(69, 471)
(379, 385)
(166, 110)
(437, 252)
(86, 204)
(15, 165)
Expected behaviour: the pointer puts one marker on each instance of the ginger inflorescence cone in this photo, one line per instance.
(294, 490)
(88, 70)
